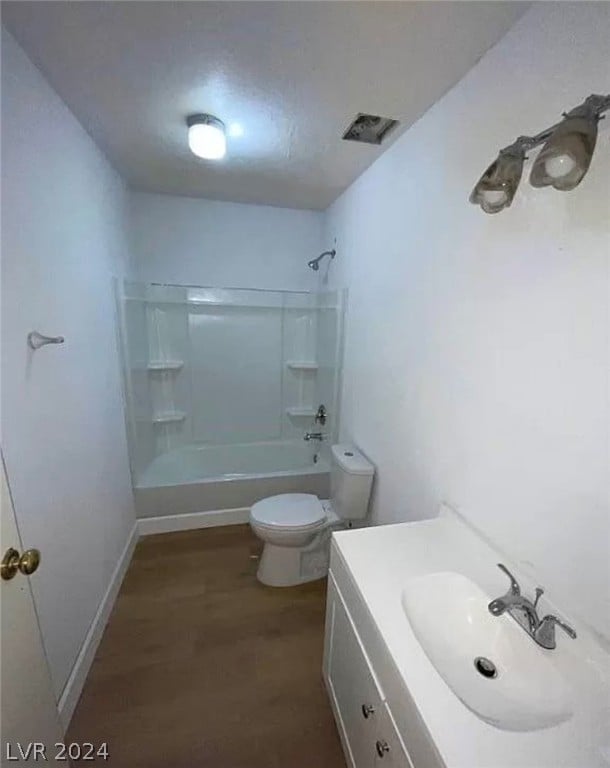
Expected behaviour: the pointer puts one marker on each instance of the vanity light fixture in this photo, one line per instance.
(566, 156)
(562, 163)
(207, 136)
(497, 186)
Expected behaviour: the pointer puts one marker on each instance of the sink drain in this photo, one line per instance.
(485, 667)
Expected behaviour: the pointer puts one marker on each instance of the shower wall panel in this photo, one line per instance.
(236, 365)
(214, 367)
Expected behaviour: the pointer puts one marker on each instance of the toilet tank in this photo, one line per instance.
(350, 482)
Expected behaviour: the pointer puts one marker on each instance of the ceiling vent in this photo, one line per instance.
(369, 129)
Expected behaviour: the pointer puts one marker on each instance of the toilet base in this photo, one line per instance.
(290, 566)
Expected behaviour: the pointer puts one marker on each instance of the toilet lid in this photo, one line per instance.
(289, 510)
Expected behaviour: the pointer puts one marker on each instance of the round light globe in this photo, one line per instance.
(559, 166)
(207, 139)
(494, 196)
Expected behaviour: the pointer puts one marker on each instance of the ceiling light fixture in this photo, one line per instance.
(562, 163)
(206, 136)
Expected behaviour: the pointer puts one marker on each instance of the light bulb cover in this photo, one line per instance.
(559, 166)
(496, 188)
(571, 145)
(494, 196)
(206, 136)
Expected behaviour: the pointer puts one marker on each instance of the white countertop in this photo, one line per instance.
(382, 559)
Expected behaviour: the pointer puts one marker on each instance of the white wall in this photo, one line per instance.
(205, 242)
(477, 356)
(63, 432)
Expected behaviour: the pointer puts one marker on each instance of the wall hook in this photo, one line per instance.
(37, 340)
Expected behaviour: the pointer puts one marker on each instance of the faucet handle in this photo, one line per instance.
(515, 589)
(545, 634)
(321, 415)
(539, 593)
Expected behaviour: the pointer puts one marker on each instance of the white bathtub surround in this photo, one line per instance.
(208, 242)
(296, 527)
(476, 352)
(207, 478)
(221, 386)
(63, 432)
(191, 521)
(237, 461)
(370, 570)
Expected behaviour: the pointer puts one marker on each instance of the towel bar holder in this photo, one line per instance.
(37, 340)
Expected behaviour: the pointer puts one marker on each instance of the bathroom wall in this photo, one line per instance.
(477, 356)
(63, 430)
(206, 242)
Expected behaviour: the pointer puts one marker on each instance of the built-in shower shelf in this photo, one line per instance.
(169, 417)
(214, 305)
(301, 412)
(302, 365)
(165, 365)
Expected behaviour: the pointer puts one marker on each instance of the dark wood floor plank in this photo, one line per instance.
(200, 665)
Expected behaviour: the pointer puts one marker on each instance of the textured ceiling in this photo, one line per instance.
(288, 76)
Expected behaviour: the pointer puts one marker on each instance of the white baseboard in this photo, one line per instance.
(192, 520)
(143, 527)
(73, 688)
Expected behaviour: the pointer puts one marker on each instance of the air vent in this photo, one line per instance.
(369, 129)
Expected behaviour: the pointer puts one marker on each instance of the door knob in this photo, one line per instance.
(12, 562)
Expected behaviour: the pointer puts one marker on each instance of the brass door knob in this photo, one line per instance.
(27, 563)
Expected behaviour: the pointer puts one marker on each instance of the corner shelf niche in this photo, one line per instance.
(165, 365)
(169, 417)
(302, 365)
(300, 412)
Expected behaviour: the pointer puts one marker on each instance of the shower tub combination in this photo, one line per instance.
(230, 477)
(221, 385)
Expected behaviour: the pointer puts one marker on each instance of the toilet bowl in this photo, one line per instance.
(288, 520)
(296, 527)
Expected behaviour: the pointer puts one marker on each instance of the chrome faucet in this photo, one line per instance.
(545, 634)
(314, 436)
(525, 613)
(519, 607)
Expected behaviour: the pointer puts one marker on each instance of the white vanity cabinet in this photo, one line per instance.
(391, 704)
(366, 726)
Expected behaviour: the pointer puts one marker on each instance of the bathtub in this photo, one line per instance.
(206, 478)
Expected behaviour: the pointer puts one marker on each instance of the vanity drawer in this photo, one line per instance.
(357, 697)
(389, 749)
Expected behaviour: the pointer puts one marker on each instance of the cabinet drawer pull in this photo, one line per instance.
(367, 710)
(382, 747)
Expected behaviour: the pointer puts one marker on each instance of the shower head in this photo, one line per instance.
(315, 263)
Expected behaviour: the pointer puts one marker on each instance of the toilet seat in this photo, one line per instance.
(289, 511)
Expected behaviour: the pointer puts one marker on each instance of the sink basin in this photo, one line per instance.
(514, 685)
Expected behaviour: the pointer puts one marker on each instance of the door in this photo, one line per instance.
(29, 711)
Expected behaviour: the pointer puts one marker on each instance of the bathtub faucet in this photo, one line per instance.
(314, 436)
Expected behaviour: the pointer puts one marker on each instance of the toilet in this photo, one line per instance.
(296, 527)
